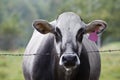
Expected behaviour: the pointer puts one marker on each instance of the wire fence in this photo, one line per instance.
(101, 51)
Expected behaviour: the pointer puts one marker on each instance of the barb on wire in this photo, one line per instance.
(115, 50)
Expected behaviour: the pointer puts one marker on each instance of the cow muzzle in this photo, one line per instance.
(69, 61)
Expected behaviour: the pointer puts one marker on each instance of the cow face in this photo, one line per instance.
(68, 30)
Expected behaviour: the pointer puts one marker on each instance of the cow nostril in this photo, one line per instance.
(64, 59)
(74, 58)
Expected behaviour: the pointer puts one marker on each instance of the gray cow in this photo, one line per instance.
(62, 50)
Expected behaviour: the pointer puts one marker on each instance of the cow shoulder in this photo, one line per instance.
(93, 56)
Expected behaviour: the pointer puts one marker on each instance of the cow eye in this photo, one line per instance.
(79, 35)
(58, 35)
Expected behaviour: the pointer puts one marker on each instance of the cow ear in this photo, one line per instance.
(42, 26)
(97, 26)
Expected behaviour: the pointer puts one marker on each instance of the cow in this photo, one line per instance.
(62, 48)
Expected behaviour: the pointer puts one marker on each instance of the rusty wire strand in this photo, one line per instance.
(5, 54)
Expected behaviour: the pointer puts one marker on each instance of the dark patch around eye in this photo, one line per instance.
(58, 34)
(58, 30)
(79, 35)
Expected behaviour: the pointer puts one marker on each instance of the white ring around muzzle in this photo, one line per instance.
(61, 63)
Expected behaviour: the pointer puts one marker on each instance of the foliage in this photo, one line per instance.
(16, 17)
(9, 32)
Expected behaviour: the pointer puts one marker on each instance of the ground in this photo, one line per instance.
(10, 66)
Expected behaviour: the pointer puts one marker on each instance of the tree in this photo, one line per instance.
(9, 32)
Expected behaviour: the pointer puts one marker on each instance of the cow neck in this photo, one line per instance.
(68, 74)
(67, 77)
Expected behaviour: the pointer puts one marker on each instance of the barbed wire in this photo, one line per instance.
(10, 54)
(110, 50)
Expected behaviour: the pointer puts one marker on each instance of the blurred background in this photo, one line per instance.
(16, 18)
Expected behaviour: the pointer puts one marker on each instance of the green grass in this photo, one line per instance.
(11, 66)
(110, 62)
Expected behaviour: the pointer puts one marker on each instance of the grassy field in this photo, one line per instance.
(110, 62)
(10, 66)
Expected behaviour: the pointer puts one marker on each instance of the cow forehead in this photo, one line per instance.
(69, 22)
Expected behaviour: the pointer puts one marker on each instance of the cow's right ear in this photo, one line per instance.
(42, 26)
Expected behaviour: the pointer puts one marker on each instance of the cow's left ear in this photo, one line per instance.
(42, 26)
(97, 26)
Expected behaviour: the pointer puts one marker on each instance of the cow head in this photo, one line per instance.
(68, 30)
